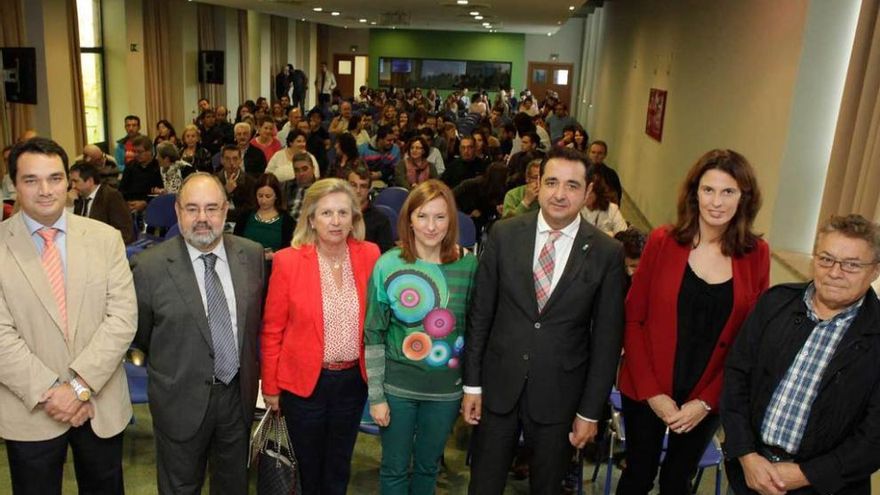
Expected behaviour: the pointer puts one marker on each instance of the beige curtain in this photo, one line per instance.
(19, 117)
(243, 57)
(853, 182)
(206, 15)
(79, 109)
(159, 88)
(278, 47)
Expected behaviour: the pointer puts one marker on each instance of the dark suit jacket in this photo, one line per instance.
(243, 198)
(173, 331)
(569, 352)
(110, 207)
(253, 162)
(841, 443)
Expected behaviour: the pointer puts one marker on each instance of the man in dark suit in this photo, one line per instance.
(199, 312)
(545, 333)
(100, 202)
(240, 187)
(253, 159)
(800, 398)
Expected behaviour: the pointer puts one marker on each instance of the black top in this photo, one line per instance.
(703, 310)
(139, 180)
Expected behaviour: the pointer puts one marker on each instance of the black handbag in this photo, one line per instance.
(272, 452)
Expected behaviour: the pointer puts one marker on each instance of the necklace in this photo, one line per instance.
(267, 220)
(336, 261)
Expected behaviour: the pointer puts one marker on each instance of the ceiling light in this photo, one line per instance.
(478, 17)
(487, 24)
(461, 2)
(474, 12)
(317, 9)
(571, 7)
(549, 34)
(362, 21)
(372, 23)
(303, 19)
(334, 13)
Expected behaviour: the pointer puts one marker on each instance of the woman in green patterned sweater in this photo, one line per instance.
(417, 303)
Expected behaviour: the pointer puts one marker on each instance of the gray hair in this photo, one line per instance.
(167, 149)
(853, 226)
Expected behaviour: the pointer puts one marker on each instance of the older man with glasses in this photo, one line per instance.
(802, 385)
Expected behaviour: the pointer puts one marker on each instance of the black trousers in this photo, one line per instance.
(37, 468)
(496, 442)
(323, 429)
(221, 443)
(644, 443)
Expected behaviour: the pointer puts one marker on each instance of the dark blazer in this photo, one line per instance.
(253, 162)
(243, 197)
(569, 352)
(173, 331)
(110, 207)
(652, 318)
(841, 444)
(292, 340)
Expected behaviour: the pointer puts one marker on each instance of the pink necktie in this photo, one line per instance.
(544, 270)
(54, 272)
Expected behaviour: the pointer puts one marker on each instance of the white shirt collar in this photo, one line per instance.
(569, 230)
(94, 193)
(33, 225)
(219, 250)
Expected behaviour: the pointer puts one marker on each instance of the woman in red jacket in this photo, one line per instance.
(696, 282)
(312, 341)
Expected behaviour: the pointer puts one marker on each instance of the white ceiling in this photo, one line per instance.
(507, 16)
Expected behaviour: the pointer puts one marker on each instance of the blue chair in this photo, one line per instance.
(173, 231)
(392, 197)
(160, 212)
(467, 231)
(137, 382)
(712, 456)
(391, 214)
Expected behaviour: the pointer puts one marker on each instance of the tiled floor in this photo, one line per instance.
(139, 465)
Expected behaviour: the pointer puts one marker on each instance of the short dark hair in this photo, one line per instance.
(853, 226)
(601, 143)
(302, 157)
(569, 154)
(348, 144)
(142, 142)
(133, 117)
(361, 170)
(633, 241)
(86, 171)
(383, 131)
(229, 147)
(37, 146)
(314, 111)
(533, 137)
(292, 135)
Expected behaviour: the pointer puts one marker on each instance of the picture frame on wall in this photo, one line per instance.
(656, 113)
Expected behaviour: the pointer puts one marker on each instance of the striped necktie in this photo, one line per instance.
(544, 269)
(220, 323)
(54, 268)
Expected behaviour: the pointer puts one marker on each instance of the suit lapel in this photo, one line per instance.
(577, 258)
(238, 269)
(524, 239)
(180, 270)
(25, 253)
(77, 263)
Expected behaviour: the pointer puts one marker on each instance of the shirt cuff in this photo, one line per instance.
(472, 390)
(588, 420)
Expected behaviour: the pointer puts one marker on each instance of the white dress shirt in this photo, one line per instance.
(222, 269)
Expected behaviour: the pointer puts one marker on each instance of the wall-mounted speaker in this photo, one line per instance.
(211, 66)
(20, 74)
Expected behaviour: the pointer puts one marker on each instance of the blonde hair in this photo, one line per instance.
(304, 233)
(193, 128)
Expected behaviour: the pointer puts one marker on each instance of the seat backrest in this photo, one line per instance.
(160, 212)
(391, 214)
(392, 197)
(467, 231)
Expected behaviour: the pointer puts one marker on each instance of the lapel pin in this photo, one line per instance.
(586, 246)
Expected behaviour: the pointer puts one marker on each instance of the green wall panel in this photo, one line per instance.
(495, 47)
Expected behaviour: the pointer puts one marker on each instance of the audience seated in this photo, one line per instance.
(465, 166)
(254, 159)
(100, 201)
(105, 164)
(142, 178)
(239, 186)
(596, 155)
(377, 225)
(124, 148)
(382, 156)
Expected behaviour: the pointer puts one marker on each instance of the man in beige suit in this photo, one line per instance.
(67, 317)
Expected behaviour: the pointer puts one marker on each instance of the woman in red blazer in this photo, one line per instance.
(695, 284)
(312, 342)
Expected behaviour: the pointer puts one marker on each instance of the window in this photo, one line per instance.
(92, 61)
(560, 77)
(443, 74)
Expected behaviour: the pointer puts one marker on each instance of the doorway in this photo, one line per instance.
(351, 73)
(544, 76)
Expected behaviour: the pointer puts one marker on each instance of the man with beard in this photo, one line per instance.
(199, 298)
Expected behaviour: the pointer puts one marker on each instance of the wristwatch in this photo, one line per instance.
(82, 392)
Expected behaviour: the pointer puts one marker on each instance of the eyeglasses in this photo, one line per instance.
(847, 266)
(212, 211)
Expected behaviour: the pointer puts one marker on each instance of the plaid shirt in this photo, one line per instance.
(789, 408)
